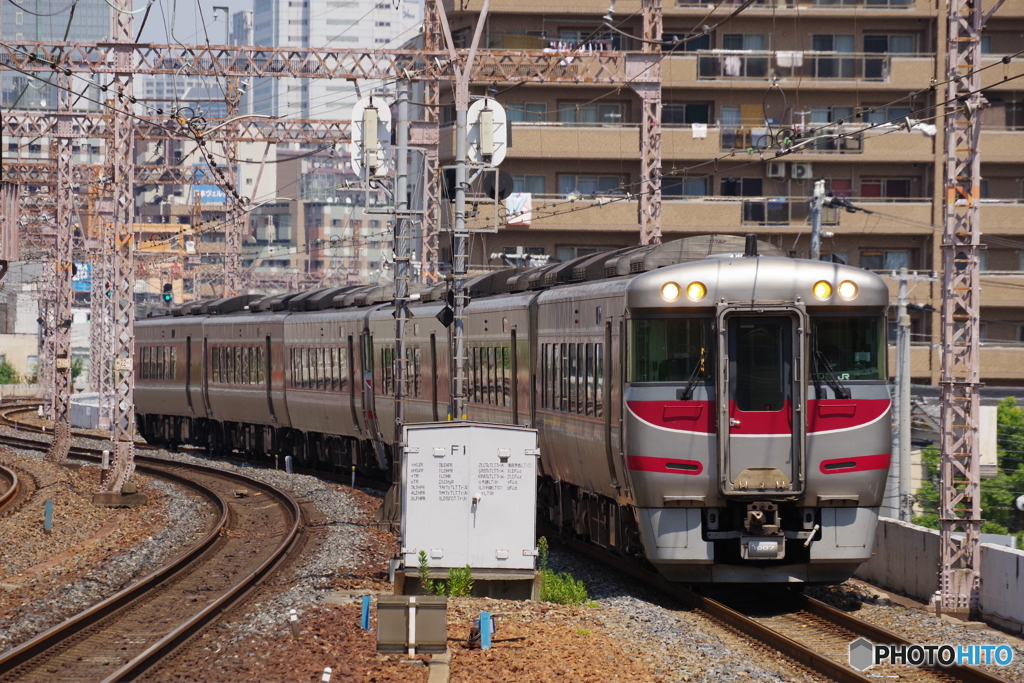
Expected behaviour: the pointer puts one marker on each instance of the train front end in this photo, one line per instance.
(757, 421)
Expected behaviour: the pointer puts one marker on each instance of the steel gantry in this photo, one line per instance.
(960, 497)
(649, 190)
(62, 273)
(121, 251)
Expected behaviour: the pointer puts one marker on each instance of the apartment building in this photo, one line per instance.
(779, 72)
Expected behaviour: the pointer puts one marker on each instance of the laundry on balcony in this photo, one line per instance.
(789, 59)
(733, 66)
(699, 130)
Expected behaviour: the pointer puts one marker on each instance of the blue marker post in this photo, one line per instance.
(48, 519)
(486, 627)
(288, 464)
(364, 621)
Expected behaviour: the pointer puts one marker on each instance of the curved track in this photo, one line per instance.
(128, 633)
(10, 486)
(808, 632)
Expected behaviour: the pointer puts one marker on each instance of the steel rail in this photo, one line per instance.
(8, 496)
(786, 646)
(175, 638)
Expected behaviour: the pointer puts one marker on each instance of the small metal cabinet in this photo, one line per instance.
(469, 495)
(431, 632)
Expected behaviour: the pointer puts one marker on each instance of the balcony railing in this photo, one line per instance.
(781, 137)
(748, 64)
(783, 211)
(810, 4)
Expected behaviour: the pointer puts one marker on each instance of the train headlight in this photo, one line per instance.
(822, 290)
(847, 290)
(670, 291)
(696, 291)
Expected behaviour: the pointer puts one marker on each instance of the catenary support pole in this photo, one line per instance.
(402, 253)
(817, 201)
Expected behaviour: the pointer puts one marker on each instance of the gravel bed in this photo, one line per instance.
(673, 640)
(917, 624)
(91, 553)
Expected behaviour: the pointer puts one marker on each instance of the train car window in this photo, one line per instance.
(760, 381)
(250, 357)
(474, 381)
(144, 363)
(417, 380)
(342, 369)
(545, 388)
(589, 380)
(304, 368)
(574, 378)
(852, 348)
(172, 364)
(159, 362)
(598, 380)
(506, 376)
(294, 363)
(492, 376)
(669, 349)
(318, 368)
(259, 365)
(215, 363)
(581, 378)
(325, 367)
(563, 377)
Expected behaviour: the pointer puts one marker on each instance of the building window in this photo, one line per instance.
(534, 184)
(890, 188)
(686, 45)
(744, 41)
(526, 111)
(569, 112)
(685, 113)
(740, 187)
(684, 187)
(886, 114)
(831, 114)
(569, 253)
(889, 44)
(832, 42)
(589, 184)
(878, 259)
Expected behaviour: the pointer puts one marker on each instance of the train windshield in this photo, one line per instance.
(670, 350)
(851, 348)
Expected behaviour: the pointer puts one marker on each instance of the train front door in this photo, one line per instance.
(761, 428)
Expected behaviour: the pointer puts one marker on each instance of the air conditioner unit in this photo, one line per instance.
(799, 171)
(776, 169)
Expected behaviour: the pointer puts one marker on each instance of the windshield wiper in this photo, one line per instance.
(830, 378)
(687, 393)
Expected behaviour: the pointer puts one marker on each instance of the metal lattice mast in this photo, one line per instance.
(960, 497)
(123, 271)
(61, 331)
(47, 339)
(9, 221)
(649, 205)
(236, 215)
(431, 134)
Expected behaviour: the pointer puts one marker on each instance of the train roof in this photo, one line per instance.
(623, 262)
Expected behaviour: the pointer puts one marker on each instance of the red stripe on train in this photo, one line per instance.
(857, 463)
(699, 416)
(644, 463)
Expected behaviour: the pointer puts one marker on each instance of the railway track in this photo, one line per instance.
(10, 487)
(127, 634)
(808, 632)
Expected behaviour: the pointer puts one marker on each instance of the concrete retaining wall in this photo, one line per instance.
(19, 390)
(906, 560)
(1002, 587)
(84, 412)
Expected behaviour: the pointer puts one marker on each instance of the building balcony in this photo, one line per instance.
(622, 142)
(815, 70)
(699, 215)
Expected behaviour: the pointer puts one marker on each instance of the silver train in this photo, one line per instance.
(721, 414)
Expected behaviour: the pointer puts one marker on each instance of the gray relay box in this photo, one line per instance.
(469, 495)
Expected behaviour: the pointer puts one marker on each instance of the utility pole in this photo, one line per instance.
(817, 202)
(901, 435)
(61, 330)
(460, 238)
(401, 253)
(960, 470)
